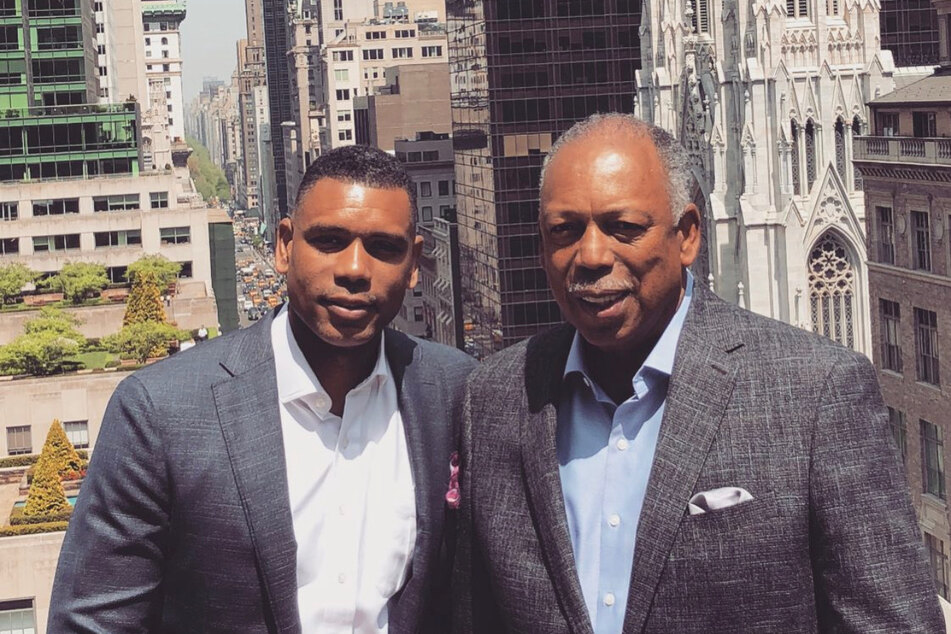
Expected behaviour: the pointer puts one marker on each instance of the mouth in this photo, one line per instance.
(348, 309)
(603, 304)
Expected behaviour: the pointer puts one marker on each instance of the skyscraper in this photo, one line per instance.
(910, 31)
(279, 90)
(522, 72)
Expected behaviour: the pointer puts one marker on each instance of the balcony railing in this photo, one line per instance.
(893, 149)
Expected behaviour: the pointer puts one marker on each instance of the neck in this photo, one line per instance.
(614, 370)
(339, 369)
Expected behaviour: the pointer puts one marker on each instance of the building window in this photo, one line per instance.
(939, 563)
(840, 158)
(402, 52)
(922, 254)
(158, 200)
(164, 41)
(175, 235)
(342, 74)
(148, 40)
(372, 53)
(56, 207)
(832, 7)
(857, 132)
(8, 211)
(425, 189)
(166, 67)
(926, 346)
(9, 246)
(890, 315)
(896, 420)
(886, 235)
(376, 35)
(17, 617)
(443, 188)
(832, 291)
(343, 56)
(924, 124)
(797, 8)
(430, 155)
(56, 243)
(130, 237)
(19, 440)
(794, 155)
(343, 115)
(701, 16)
(186, 271)
(345, 135)
(78, 433)
(405, 33)
(417, 313)
(427, 214)
(343, 94)
(432, 51)
(932, 458)
(338, 10)
(888, 124)
(165, 54)
(810, 155)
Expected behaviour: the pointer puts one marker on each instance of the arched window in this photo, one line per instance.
(840, 157)
(857, 131)
(701, 16)
(794, 154)
(165, 41)
(810, 155)
(832, 290)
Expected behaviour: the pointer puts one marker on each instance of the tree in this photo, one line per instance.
(60, 451)
(45, 345)
(164, 269)
(13, 277)
(145, 300)
(46, 496)
(144, 340)
(79, 280)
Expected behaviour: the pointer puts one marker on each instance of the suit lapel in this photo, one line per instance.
(249, 415)
(544, 366)
(700, 389)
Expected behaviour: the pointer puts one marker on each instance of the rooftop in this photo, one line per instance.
(934, 89)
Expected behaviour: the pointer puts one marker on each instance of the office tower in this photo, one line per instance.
(162, 21)
(521, 74)
(909, 30)
(274, 15)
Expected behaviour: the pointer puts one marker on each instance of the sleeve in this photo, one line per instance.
(109, 576)
(868, 559)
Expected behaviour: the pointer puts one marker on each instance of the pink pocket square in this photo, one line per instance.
(453, 497)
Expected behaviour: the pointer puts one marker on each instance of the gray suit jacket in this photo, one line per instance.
(829, 544)
(183, 523)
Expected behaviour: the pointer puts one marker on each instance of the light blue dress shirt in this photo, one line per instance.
(605, 453)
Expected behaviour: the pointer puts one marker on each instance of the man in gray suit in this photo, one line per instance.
(289, 477)
(670, 462)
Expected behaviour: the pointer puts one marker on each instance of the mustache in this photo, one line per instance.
(599, 286)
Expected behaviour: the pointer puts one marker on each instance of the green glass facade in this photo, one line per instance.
(50, 127)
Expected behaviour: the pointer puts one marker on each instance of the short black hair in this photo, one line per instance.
(359, 164)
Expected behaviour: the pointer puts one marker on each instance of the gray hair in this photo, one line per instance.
(672, 154)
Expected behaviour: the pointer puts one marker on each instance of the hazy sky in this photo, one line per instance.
(209, 33)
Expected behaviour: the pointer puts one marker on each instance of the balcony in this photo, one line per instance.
(894, 149)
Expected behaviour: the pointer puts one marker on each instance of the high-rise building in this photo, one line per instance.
(274, 16)
(766, 102)
(906, 165)
(162, 21)
(909, 29)
(521, 74)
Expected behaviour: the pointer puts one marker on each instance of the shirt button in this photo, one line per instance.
(342, 509)
(622, 444)
(609, 599)
(344, 442)
(341, 578)
(320, 401)
(614, 520)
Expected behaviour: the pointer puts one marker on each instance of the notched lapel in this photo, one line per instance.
(250, 421)
(544, 365)
(700, 390)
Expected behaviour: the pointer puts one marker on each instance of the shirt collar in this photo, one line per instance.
(296, 379)
(661, 357)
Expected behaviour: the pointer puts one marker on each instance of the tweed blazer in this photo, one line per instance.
(183, 523)
(828, 544)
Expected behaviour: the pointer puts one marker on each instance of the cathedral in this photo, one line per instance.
(767, 96)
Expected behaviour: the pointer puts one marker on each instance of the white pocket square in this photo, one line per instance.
(716, 499)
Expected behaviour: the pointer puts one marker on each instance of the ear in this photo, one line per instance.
(285, 242)
(689, 230)
(417, 250)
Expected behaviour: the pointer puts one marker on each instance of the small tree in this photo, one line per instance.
(79, 280)
(164, 269)
(145, 300)
(55, 320)
(144, 340)
(43, 348)
(46, 496)
(60, 451)
(13, 277)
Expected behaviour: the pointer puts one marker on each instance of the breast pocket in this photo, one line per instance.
(728, 533)
(397, 544)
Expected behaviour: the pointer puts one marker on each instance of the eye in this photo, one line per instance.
(387, 250)
(564, 229)
(628, 230)
(328, 243)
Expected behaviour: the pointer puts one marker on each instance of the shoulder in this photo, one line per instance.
(443, 362)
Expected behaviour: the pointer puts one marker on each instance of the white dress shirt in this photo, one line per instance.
(351, 492)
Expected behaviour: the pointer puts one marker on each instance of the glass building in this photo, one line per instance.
(50, 126)
(522, 72)
(279, 89)
(910, 31)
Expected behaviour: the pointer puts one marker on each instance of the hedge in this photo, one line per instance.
(26, 461)
(32, 529)
(17, 517)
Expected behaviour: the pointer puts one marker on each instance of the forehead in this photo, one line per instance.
(355, 205)
(604, 169)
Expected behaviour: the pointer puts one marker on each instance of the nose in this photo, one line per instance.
(353, 268)
(593, 252)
